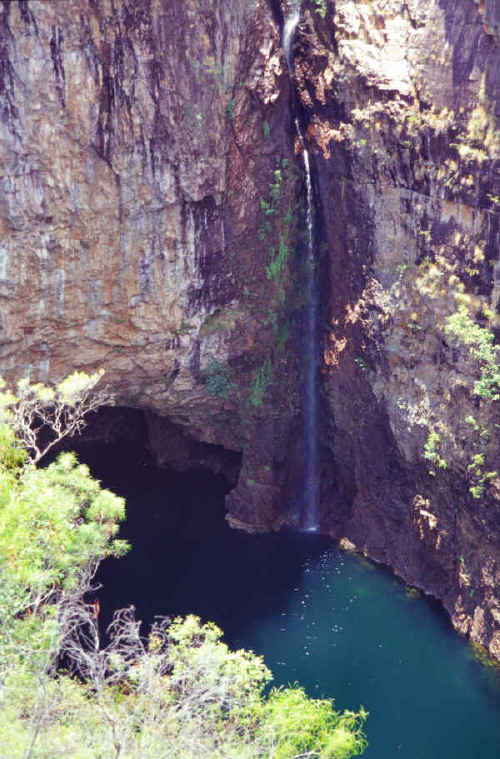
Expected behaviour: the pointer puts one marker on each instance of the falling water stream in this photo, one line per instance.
(309, 517)
(289, 27)
(341, 627)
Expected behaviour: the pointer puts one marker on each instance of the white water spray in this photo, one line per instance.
(289, 28)
(310, 366)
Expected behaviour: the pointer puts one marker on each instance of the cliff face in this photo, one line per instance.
(151, 216)
(148, 179)
(402, 101)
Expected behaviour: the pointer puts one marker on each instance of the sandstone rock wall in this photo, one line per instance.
(141, 142)
(151, 224)
(402, 101)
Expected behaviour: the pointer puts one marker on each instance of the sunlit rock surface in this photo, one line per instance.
(402, 101)
(151, 222)
(139, 139)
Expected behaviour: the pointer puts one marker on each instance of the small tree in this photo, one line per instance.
(180, 691)
(56, 525)
(41, 416)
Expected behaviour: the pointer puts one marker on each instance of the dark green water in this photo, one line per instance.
(340, 627)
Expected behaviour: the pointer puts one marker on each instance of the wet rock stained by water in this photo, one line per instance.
(140, 233)
(402, 105)
(138, 139)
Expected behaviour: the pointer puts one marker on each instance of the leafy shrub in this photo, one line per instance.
(177, 692)
(431, 451)
(481, 344)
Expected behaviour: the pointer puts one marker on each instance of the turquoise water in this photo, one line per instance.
(348, 630)
(341, 627)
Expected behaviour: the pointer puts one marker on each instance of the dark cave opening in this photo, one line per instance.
(184, 557)
(332, 622)
(165, 509)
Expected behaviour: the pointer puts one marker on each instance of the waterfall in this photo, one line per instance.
(311, 473)
(309, 517)
(289, 27)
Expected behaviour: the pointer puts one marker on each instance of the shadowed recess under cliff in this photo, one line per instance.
(341, 627)
(184, 556)
(139, 225)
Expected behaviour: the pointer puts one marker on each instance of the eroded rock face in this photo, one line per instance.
(150, 221)
(148, 180)
(402, 102)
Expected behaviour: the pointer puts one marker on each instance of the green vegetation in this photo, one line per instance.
(261, 380)
(269, 206)
(278, 263)
(178, 691)
(56, 525)
(217, 379)
(468, 338)
(277, 221)
(41, 416)
(477, 475)
(230, 109)
(321, 7)
(481, 344)
(431, 451)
